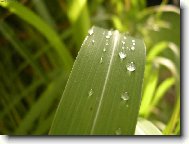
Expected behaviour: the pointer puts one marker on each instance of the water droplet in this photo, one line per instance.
(133, 41)
(104, 50)
(132, 48)
(123, 42)
(107, 43)
(131, 67)
(90, 92)
(109, 33)
(122, 55)
(108, 36)
(123, 48)
(93, 41)
(127, 105)
(118, 131)
(90, 32)
(125, 96)
(124, 37)
(101, 60)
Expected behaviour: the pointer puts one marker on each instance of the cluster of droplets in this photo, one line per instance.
(90, 93)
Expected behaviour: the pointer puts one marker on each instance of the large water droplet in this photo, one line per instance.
(118, 131)
(90, 92)
(125, 96)
(122, 55)
(131, 67)
(90, 32)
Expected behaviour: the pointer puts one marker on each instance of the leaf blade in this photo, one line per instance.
(79, 112)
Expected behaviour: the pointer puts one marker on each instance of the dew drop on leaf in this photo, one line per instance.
(93, 41)
(131, 67)
(132, 48)
(122, 55)
(90, 32)
(118, 131)
(101, 60)
(125, 96)
(90, 93)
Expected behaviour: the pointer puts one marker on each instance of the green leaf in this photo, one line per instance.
(145, 127)
(92, 102)
(53, 38)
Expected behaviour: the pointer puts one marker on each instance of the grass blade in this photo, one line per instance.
(94, 101)
(30, 17)
(145, 127)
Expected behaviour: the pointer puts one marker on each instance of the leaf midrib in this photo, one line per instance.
(116, 37)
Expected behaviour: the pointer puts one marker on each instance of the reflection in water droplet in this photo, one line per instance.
(125, 96)
(118, 131)
(101, 60)
(122, 55)
(90, 92)
(131, 67)
(90, 32)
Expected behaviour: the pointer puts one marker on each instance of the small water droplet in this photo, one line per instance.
(123, 48)
(131, 67)
(104, 50)
(127, 105)
(132, 48)
(90, 32)
(101, 60)
(90, 92)
(107, 43)
(122, 55)
(93, 41)
(125, 96)
(108, 36)
(109, 33)
(123, 42)
(124, 37)
(133, 41)
(118, 131)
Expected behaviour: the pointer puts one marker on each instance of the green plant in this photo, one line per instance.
(39, 41)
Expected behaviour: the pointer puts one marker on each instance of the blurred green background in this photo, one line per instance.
(40, 39)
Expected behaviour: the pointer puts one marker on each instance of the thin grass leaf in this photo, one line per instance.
(145, 127)
(46, 99)
(30, 17)
(103, 93)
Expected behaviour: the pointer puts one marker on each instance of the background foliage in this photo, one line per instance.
(39, 41)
